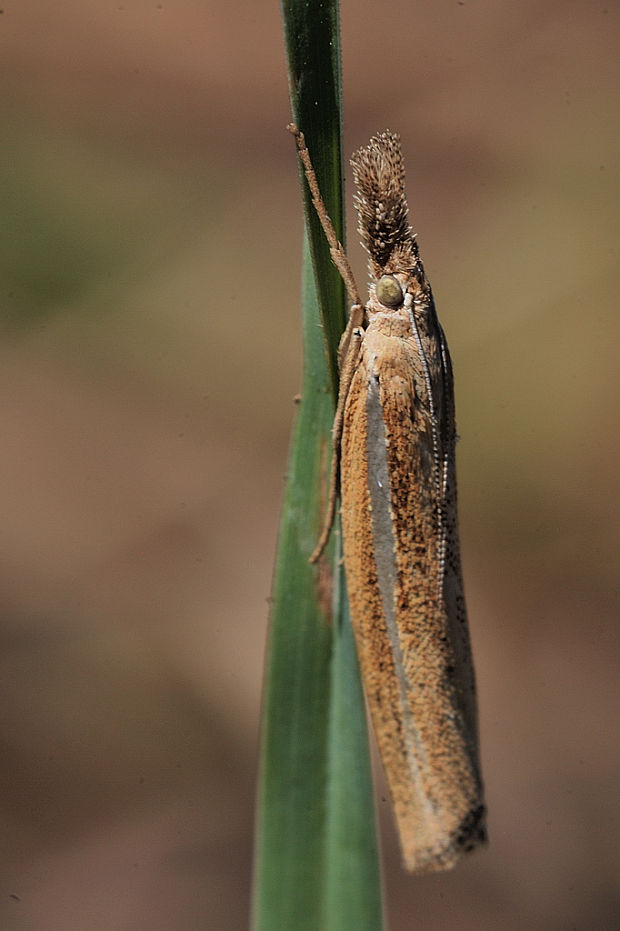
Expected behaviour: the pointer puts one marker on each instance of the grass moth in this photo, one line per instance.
(394, 469)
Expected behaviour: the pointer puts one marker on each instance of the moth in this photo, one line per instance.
(393, 466)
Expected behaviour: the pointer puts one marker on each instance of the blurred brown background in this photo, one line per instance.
(150, 350)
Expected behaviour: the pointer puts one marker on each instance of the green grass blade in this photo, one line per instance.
(353, 879)
(312, 37)
(316, 859)
(290, 850)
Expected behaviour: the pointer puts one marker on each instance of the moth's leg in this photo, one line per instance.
(355, 321)
(349, 348)
(338, 254)
(348, 365)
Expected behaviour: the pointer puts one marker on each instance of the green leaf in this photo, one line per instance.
(316, 857)
(289, 867)
(312, 35)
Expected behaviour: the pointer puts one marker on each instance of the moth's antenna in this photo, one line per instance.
(338, 254)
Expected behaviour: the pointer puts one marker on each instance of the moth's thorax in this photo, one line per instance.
(396, 323)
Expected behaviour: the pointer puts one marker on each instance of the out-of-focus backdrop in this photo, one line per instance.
(150, 247)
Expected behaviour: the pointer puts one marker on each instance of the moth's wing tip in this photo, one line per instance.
(470, 836)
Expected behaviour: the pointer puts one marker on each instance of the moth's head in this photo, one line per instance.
(379, 175)
(393, 291)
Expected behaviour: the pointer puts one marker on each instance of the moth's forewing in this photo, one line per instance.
(407, 607)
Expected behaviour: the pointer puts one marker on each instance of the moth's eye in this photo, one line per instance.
(389, 292)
